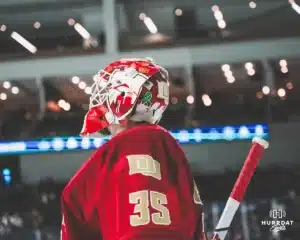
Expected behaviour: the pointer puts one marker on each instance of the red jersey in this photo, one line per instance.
(138, 185)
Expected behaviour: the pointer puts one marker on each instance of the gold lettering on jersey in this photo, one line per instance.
(142, 200)
(197, 198)
(145, 165)
(141, 208)
(158, 200)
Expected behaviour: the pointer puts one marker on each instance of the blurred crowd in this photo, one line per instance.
(33, 212)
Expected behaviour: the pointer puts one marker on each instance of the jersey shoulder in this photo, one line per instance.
(90, 168)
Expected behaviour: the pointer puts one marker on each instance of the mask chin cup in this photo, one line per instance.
(95, 121)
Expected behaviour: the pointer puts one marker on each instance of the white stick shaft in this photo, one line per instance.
(226, 219)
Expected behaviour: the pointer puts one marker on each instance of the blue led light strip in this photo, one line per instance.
(186, 136)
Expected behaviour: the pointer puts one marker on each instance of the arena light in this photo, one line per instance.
(219, 17)
(229, 133)
(225, 67)
(249, 65)
(3, 28)
(44, 145)
(72, 143)
(183, 136)
(222, 24)
(265, 90)
(82, 85)
(85, 143)
(230, 79)
(82, 31)
(252, 4)
(142, 16)
(206, 100)
(289, 85)
(190, 99)
(6, 84)
(178, 12)
(25, 43)
(283, 66)
(244, 132)
(150, 25)
(251, 72)
(37, 25)
(88, 90)
(95, 77)
(295, 6)
(58, 144)
(64, 105)
(228, 73)
(284, 70)
(75, 80)
(61, 102)
(250, 68)
(283, 63)
(197, 135)
(6, 173)
(67, 107)
(71, 21)
(15, 90)
(281, 92)
(259, 130)
(215, 8)
(3, 96)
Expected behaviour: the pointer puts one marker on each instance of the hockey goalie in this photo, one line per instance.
(138, 185)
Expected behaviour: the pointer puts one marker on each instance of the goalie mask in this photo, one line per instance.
(128, 89)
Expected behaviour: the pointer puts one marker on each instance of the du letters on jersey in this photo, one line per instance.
(145, 165)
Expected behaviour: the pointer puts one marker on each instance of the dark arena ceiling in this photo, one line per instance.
(220, 90)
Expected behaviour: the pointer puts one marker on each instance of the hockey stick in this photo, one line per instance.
(240, 186)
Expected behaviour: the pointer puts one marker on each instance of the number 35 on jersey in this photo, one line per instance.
(145, 199)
